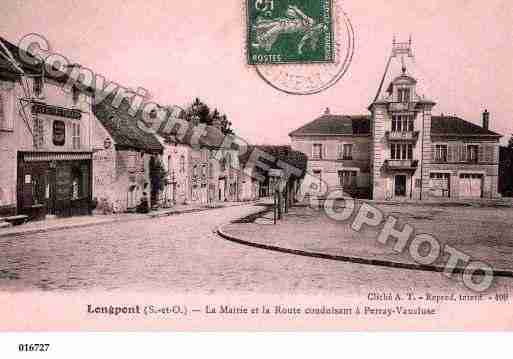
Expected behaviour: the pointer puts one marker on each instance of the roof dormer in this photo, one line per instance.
(402, 88)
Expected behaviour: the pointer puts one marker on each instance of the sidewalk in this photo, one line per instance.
(86, 221)
(449, 202)
(484, 234)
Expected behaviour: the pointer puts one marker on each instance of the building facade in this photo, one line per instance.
(124, 160)
(401, 150)
(45, 142)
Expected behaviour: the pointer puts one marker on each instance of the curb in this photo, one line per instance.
(122, 220)
(202, 209)
(356, 260)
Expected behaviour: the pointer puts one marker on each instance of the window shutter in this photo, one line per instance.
(480, 153)
(450, 153)
(489, 157)
(463, 154)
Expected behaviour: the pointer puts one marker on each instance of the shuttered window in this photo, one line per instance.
(76, 135)
(472, 151)
(317, 151)
(461, 152)
(489, 154)
(440, 153)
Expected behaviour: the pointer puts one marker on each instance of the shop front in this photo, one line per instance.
(54, 183)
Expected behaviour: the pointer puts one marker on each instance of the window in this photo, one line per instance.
(441, 153)
(182, 164)
(76, 135)
(59, 133)
(318, 174)
(401, 151)
(204, 155)
(348, 152)
(169, 164)
(195, 171)
(347, 178)
(132, 162)
(317, 151)
(6, 115)
(2, 114)
(204, 171)
(472, 151)
(75, 94)
(38, 86)
(402, 123)
(403, 95)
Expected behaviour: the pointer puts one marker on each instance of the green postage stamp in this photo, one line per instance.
(289, 31)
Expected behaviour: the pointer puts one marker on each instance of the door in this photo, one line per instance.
(471, 185)
(440, 184)
(34, 189)
(400, 186)
(221, 190)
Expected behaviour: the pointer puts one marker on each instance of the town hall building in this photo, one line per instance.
(401, 150)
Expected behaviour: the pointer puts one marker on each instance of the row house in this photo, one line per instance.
(45, 141)
(400, 150)
(202, 174)
(124, 158)
(63, 154)
(177, 160)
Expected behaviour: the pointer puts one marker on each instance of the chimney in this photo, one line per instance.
(486, 119)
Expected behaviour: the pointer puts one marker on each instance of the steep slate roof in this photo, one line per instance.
(451, 125)
(360, 125)
(124, 130)
(335, 125)
(15, 51)
(8, 71)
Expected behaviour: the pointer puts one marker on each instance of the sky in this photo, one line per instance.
(180, 50)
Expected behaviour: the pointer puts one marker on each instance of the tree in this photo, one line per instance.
(215, 117)
(198, 111)
(510, 142)
(226, 125)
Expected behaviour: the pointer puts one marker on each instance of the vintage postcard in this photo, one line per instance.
(256, 165)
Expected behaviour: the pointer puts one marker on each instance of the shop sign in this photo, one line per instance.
(44, 109)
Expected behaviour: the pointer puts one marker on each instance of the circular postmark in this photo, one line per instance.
(305, 76)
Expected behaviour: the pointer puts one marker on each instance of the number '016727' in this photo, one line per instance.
(33, 347)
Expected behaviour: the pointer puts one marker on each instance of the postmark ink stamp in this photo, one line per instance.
(289, 31)
(300, 47)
